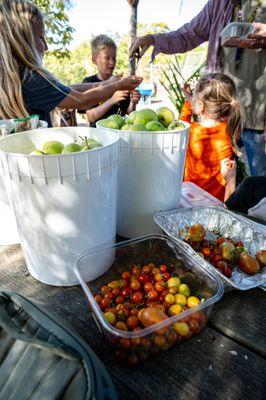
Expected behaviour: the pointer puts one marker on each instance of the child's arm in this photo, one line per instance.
(228, 172)
(134, 99)
(96, 113)
(186, 111)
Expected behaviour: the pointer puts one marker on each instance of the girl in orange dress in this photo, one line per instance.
(213, 139)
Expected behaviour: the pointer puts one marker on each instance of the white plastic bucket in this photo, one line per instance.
(64, 204)
(8, 226)
(150, 173)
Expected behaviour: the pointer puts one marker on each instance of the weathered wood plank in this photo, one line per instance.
(208, 366)
(241, 315)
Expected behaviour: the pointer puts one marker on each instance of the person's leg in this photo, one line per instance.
(254, 143)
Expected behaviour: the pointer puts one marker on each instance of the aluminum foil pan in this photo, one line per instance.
(228, 224)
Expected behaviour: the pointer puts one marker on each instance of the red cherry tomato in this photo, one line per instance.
(132, 322)
(126, 275)
(152, 295)
(144, 278)
(148, 287)
(137, 297)
(163, 268)
(227, 271)
(146, 269)
(136, 271)
(135, 284)
(126, 292)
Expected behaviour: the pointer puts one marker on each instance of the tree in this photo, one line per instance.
(133, 29)
(59, 33)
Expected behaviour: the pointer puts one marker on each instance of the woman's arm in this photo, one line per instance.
(91, 97)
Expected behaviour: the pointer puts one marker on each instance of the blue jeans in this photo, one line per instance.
(254, 144)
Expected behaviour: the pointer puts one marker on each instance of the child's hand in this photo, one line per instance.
(120, 95)
(187, 92)
(228, 169)
(135, 96)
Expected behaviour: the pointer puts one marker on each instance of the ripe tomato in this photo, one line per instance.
(152, 295)
(144, 278)
(158, 277)
(163, 268)
(137, 297)
(159, 286)
(105, 303)
(135, 284)
(146, 269)
(126, 275)
(132, 322)
(119, 300)
(126, 292)
(136, 271)
(220, 240)
(148, 287)
(122, 283)
(166, 276)
(222, 264)
(98, 298)
(116, 292)
(227, 271)
(155, 270)
(206, 251)
(104, 289)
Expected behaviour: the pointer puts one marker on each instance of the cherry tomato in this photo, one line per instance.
(122, 283)
(98, 298)
(113, 284)
(159, 287)
(126, 292)
(155, 270)
(148, 287)
(106, 302)
(137, 297)
(119, 300)
(132, 322)
(146, 269)
(105, 289)
(116, 292)
(227, 271)
(166, 276)
(163, 268)
(216, 258)
(152, 295)
(158, 277)
(194, 326)
(206, 251)
(121, 325)
(144, 278)
(222, 265)
(125, 343)
(136, 271)
(135, 284)
(220, 240)
(126, 275)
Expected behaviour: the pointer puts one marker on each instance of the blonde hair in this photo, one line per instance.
(100, 42)
(217, 92)
(17, 49)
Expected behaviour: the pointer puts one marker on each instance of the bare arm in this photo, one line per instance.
(228, 172)
(95, 113)
(91, 97)
(183, 39)
(82, 87)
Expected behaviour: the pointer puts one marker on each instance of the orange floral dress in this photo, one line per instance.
(206, 149)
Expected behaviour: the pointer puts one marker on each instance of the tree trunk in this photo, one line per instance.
(133, 30)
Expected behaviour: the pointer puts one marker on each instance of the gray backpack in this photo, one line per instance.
(41, 359)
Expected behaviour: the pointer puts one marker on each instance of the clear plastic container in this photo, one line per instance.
(135, 346)
(235, 30)
(194, 196)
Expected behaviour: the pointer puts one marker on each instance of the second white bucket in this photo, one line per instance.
(64, 204)
(150, 174)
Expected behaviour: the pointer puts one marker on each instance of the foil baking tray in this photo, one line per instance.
(228, 224)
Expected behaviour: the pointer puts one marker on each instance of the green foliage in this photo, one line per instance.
(174, 80)
(59, 33)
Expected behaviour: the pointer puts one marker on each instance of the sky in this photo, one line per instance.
(94, 17)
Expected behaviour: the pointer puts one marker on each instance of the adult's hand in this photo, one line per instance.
(141, 45)
(129, 83)
(119, 95)
(259, 34)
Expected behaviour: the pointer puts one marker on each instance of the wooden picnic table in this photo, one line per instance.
(226, 361)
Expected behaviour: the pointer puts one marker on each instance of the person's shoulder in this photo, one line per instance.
(91, 79)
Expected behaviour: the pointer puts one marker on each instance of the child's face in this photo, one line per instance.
(105, 60)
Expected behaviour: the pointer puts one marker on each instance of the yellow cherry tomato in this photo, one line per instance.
(174, 281)
(181, 328)
(192, 301)
(180, 299)
(184, 289)
(169, 299)
(174, 309)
